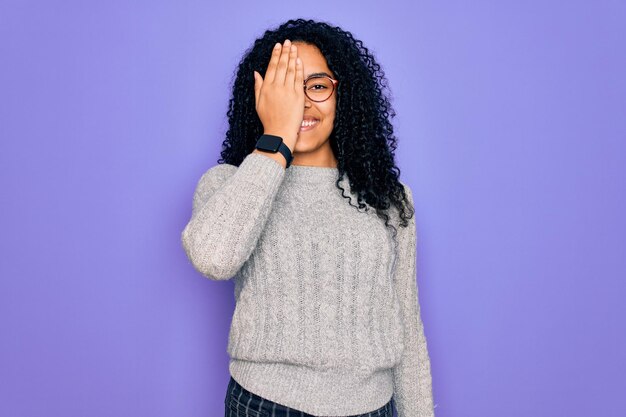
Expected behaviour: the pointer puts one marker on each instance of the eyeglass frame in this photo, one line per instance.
(335, 82)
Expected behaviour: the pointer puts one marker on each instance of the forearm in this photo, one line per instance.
(228, 220)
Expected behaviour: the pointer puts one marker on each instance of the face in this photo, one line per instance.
(313, 143)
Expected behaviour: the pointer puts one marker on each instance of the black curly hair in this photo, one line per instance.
(362, 137)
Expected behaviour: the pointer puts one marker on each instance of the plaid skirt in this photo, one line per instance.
(240, 402)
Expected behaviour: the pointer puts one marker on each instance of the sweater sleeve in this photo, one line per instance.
(231, 206)
(411, 376)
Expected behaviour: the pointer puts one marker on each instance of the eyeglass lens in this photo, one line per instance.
(319, 88)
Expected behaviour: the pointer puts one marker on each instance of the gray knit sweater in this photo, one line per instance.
(327, 319)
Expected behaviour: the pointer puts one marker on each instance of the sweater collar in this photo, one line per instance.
(311, 174)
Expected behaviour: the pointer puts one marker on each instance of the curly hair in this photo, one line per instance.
(362, 138)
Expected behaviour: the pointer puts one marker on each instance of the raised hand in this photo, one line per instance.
(280, 95)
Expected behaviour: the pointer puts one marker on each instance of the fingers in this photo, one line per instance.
(258, 82)
(291, 68)
(271, 67)
(283, 62)
(299, 81)
(282, 67)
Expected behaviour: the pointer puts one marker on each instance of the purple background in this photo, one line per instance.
(511, 121)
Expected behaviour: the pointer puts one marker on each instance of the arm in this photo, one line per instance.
(411, 376)
(230, 210)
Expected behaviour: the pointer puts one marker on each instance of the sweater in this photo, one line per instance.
(326, 318)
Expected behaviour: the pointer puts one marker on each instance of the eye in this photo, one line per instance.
(317, 87)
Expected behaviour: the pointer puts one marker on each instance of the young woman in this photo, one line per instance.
(327, 320)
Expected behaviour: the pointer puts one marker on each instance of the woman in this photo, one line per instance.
(327, 319)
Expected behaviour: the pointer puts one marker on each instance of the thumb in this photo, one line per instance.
(258, 82)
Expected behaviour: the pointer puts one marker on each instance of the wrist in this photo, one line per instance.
(274, 144)
(288, 139)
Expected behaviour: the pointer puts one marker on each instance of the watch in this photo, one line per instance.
(273, 144)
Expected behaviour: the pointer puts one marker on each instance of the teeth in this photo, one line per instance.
(309, 123)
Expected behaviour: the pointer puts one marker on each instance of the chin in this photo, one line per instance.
(301, 147)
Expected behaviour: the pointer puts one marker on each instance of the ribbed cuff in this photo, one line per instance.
(261, 171)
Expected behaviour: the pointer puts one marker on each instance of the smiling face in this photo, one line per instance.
(313, 145)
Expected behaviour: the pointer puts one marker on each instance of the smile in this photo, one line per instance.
(308, 125)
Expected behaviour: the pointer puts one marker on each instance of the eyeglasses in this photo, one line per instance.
(319, 88)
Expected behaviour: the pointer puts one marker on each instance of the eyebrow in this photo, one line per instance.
(317, 74)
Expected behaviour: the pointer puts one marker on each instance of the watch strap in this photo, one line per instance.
(273, 144)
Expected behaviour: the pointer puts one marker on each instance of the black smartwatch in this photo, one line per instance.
(273, 144)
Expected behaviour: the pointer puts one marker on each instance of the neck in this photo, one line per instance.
(321, 157)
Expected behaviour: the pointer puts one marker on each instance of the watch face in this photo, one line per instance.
(269, 143)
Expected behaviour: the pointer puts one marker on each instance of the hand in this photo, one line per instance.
(280, 95)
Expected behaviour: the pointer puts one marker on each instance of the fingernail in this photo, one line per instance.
(277, 45)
